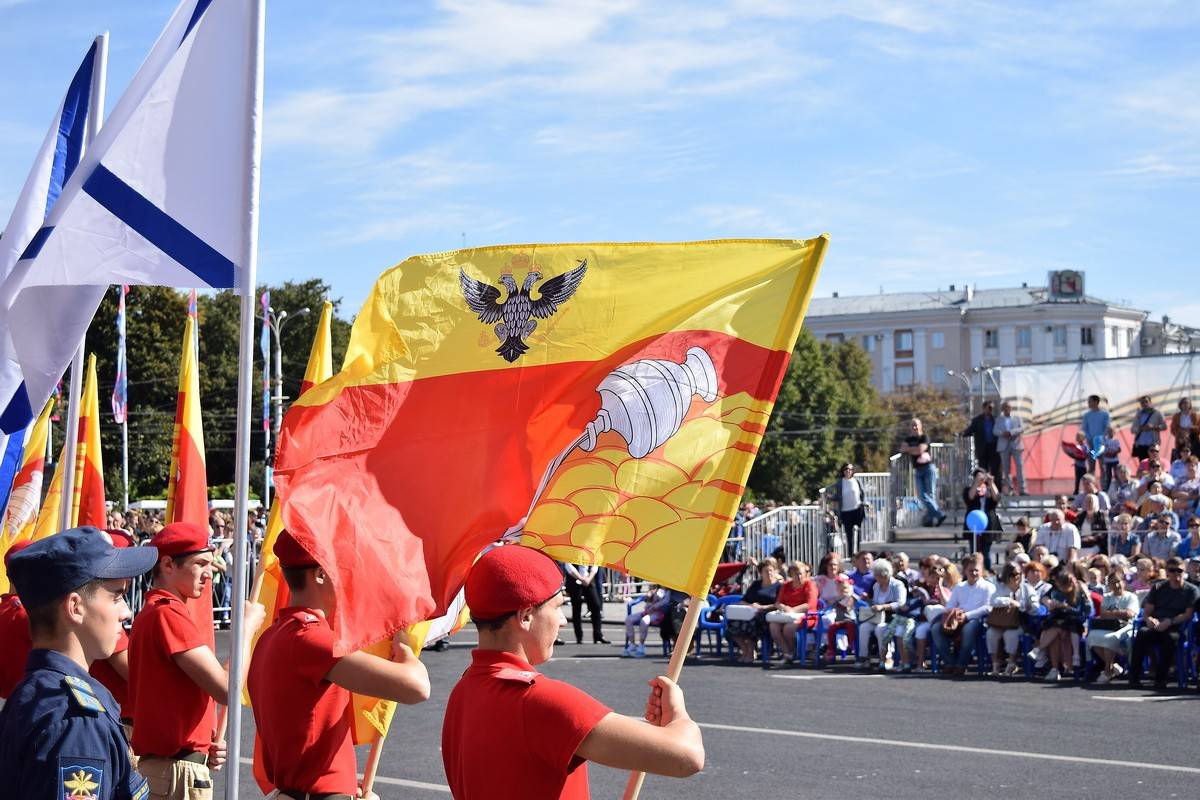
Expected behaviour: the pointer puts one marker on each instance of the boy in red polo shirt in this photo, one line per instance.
(511, 733)
(175, 679)
(301, 692)
(15, 641)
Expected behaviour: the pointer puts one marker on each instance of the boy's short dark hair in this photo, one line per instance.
(296, 577)
(43, 619)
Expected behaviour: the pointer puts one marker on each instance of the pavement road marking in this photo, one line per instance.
(823, 677)
(1102, 762)
(429, 787)
(1166, 699)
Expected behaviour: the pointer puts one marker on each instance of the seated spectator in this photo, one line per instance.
(1068, 605)
(1023, 535)
(1123, 489)
(1156, 472)
(1167, 608)
(1145, 574)
(655, 603)
(843, 618)
(1182, 508)
(1158, 505)
(1063, 504)
(936, 584)
(1090, 487)
(902, 570)
(914, 610)
(969, 603)
(829, 578)
(796, 597)
(1013, 597)
(760, 594)
(1193, 571)
(1144, 462)
(1122, 540)
(1110, 631)
(862, 577)
(1179, 470)
(1093, 527)
(1161, 540)
(1038, 553)
(1060, 537)
(887, 596)
(1189, 485)
(1012, 550)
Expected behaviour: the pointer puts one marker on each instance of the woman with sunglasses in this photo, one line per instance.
(1190, 546)
(849, 499)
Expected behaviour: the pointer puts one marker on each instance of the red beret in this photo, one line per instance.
(119, 537)
(508, 578)
(16, 548)
(290, 553)
(181, 538)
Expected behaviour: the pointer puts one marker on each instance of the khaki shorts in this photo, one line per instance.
(176, 780)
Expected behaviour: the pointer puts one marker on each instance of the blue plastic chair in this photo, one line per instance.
(714, 630)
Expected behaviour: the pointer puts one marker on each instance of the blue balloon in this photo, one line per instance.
(977, 521)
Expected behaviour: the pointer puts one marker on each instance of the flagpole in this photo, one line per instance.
(95, 119)
(683, 645)
(125, 463)
(245, 377)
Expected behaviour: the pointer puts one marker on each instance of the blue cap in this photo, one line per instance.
(57, 565)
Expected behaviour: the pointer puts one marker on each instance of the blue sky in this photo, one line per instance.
(937, 142)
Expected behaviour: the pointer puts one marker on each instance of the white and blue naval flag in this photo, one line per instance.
(56, 161)
(160, 197)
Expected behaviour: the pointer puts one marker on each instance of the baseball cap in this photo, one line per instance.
(181, 539)
(508, 578)
(51, 567)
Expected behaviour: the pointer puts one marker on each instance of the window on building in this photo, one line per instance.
(1060, 335)
(1116, 336)
(835, 338)
(904, 375)
(939, 375)
(904, 341)
(1087, 336)
(868, 343)
(937, 339)
(1024, 338)
(991, 338)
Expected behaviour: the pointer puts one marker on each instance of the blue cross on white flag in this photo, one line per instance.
(56, 160)
(161, 197)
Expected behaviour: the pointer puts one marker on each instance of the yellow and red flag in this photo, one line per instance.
(87, 495)
(21, 512)
(187, 483)
(88, 502)
(601, 402)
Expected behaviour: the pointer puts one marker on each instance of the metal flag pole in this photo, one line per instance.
(245, 377)
(95, 119)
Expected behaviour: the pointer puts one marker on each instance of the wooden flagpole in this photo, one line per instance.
(373, 763)
(683, 646)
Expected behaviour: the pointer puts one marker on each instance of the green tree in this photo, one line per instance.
(941, 411)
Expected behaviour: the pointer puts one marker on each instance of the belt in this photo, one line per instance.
(194, 756)
(298, 795)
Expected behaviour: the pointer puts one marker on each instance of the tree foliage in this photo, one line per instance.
(827, 413)
(941, 411)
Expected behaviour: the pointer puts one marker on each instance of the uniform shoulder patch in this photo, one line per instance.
(517, 675)
(82, 695)
(80, 778)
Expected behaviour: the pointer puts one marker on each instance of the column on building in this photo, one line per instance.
(921, 374)
(1008, 344)
(975, 356)
(887, 358)
(1074, 348)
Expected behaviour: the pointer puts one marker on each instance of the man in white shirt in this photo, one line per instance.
(1010, 448)
(1060, 537)
(974, 597)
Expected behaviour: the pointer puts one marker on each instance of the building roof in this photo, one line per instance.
(957, 299)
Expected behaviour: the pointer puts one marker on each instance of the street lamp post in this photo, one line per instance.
(967, 385)
(277, 320)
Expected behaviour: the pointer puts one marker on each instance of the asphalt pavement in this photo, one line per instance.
(838, 733)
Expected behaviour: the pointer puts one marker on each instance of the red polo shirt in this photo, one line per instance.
(170, 711)
(511, 732)
(112, 680)
(15, 643)
(300, 718)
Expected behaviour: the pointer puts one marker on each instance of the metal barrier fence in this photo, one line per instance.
(954, 462)
(800, 530)
(877, 498)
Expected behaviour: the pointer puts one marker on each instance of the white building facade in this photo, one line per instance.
(949, 338)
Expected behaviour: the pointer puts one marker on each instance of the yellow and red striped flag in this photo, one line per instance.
(21, 512)
(87, 496)
(600, 402)
(187, 483)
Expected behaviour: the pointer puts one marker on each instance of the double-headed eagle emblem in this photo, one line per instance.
(516, 313)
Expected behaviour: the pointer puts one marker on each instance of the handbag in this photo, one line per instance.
(1004, 618)
(1106, 624)
(740, 612)
(783, 616)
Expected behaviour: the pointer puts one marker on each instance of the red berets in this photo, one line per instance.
(181, 538)
(119, 537)
(508, 578)
(16, 548)
(290, 553)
